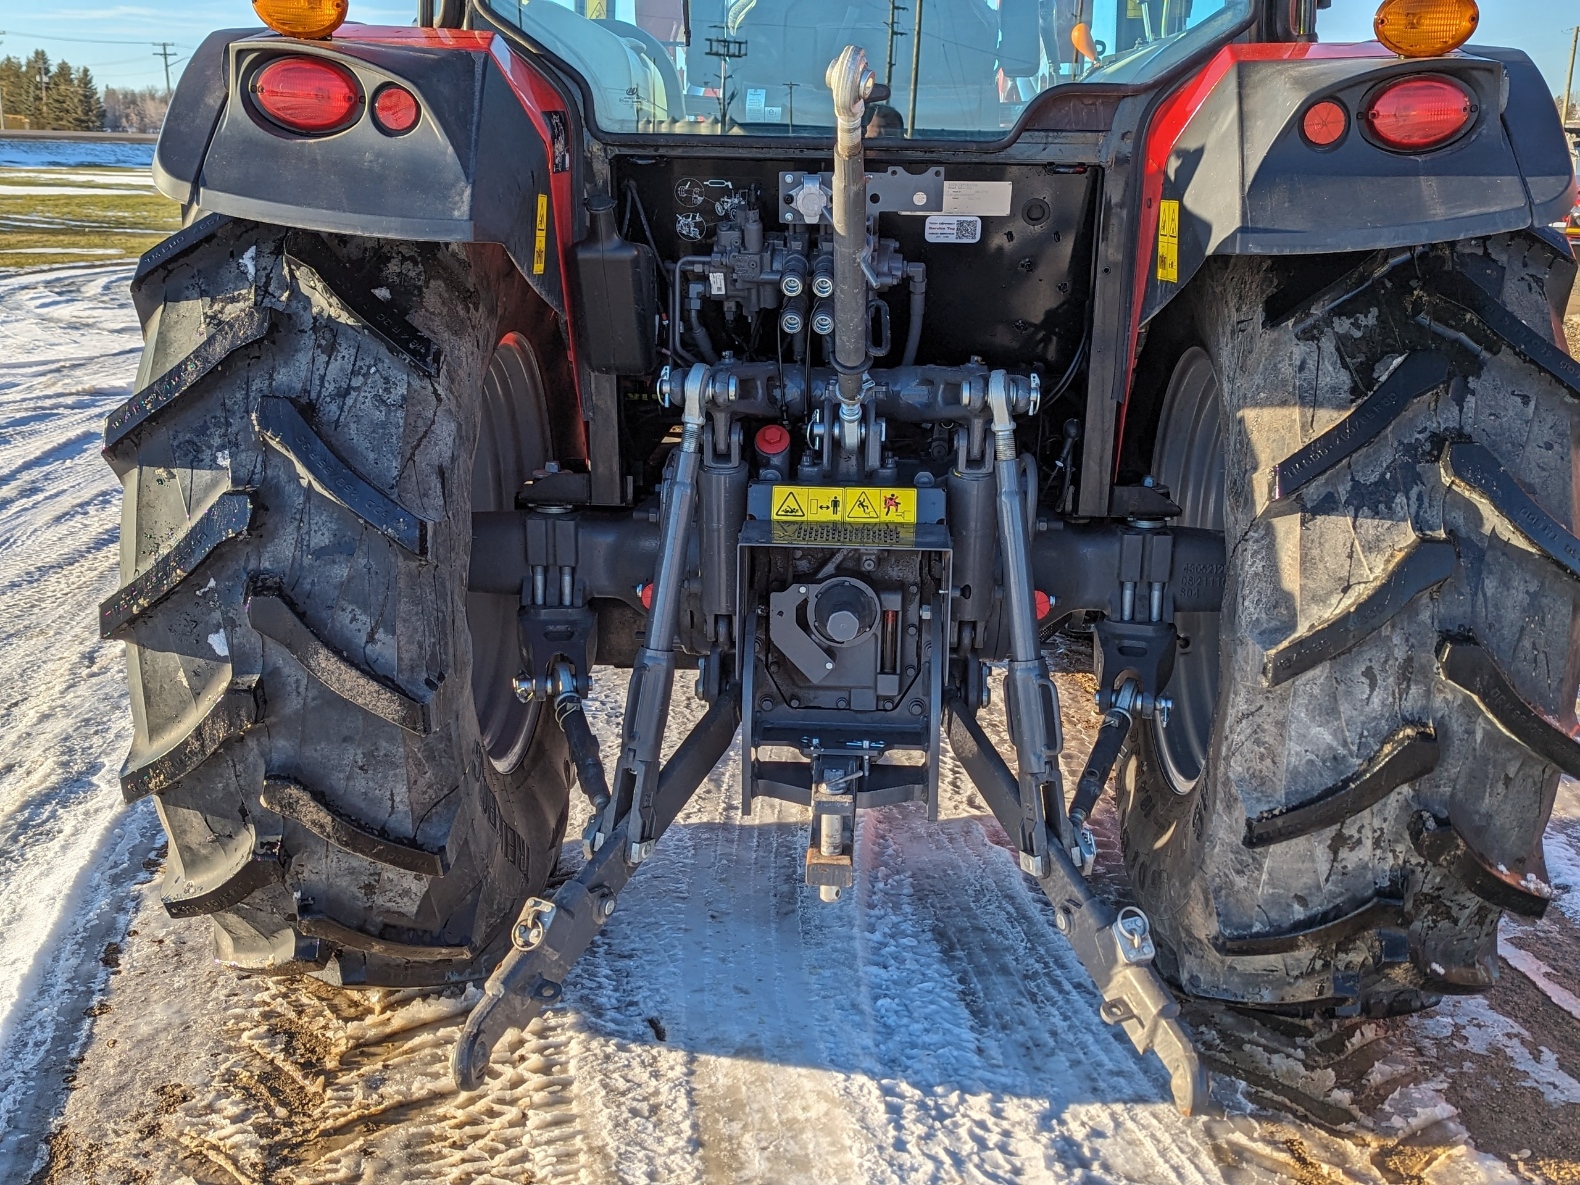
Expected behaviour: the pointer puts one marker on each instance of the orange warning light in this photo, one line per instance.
(311, 20)
(1081, 38)
(1425, 28)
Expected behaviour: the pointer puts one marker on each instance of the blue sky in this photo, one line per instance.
(115, 40)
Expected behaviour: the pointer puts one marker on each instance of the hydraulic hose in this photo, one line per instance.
(913, 334)
(699, 335)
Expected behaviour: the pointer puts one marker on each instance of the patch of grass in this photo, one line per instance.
(90, 221)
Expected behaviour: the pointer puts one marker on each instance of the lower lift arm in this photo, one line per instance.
(1114, 946)
(551, 936)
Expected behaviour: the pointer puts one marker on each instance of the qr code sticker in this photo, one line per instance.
(948, 228)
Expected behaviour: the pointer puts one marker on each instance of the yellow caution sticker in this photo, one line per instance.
(541, 242)
(1169, 241)
(844, 504)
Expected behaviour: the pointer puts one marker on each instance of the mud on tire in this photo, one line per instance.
(298, 471)
(1397, 671)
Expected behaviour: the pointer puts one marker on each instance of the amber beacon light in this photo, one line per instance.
(308, 19)
(1425, 28)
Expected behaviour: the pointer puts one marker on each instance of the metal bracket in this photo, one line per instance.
(537, 915)
(1116, 950)
(895, 190)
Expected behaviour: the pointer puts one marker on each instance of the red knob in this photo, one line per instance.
(644, 593)
(773, 440)
(1044, 604)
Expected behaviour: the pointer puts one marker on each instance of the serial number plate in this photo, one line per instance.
(890, 505)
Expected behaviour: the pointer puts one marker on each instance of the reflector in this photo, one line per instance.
(395, 109)
(1325, 123)
(1418, 114)
(307, 94)
(1425, 28)
(308, 19)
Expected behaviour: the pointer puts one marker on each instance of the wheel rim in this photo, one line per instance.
(512, 442)
(1188, 459)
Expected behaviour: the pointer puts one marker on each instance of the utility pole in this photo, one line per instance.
(166, 51)
(895, 8)
(916, 69)
(1569, 77)
(790, 89)
(726, 49)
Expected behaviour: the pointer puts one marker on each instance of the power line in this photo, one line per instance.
(83, 40)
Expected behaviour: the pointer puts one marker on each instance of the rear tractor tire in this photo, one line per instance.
(322, 713)
(1366, 743)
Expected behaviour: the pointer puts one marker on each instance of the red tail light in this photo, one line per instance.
(1418, 114)
(307, 94)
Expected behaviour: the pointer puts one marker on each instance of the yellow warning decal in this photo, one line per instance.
(1169, 241)
(540, 243)
(843, 504)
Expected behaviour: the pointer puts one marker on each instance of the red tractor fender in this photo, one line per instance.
(1224, 168)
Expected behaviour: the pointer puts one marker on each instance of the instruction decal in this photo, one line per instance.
(541, 240)
(1169, 241)
(949, 228)
(985, 199)
(882, 505)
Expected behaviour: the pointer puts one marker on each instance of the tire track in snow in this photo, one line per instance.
(68, 847)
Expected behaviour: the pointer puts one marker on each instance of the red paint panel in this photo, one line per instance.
(416, 38)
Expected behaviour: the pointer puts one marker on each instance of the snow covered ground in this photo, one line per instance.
(68, 352)
(930, 1028)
